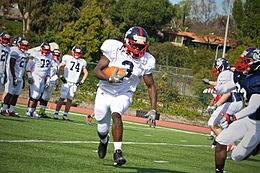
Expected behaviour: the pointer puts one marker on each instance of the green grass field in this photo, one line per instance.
(47, 145)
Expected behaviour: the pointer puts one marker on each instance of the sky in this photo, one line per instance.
(218, 3)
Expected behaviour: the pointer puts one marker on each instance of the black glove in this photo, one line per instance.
(206, 81)
(80, 83)
(63, 79)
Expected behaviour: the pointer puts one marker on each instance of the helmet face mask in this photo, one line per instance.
(5, 39)
(23, 44)
(76, 52)
(219, 65)
(56, 54)
(248, 61)
(136, 42)
(45, 48)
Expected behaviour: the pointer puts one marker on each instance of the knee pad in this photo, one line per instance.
(34, 100)
(102, 136)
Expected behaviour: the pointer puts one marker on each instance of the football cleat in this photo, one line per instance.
(119, 160)
(55, 116)
(5, 113)
(102, 148)
(65, 118)
(44, 115)
(14, 114)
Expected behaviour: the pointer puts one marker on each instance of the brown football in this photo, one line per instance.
(110, 70)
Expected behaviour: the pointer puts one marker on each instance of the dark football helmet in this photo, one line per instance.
(219, 65)
(76, 52)
(5, 38)
(56, 54)
(22, 44)
(45, 48)
(136, 41)
(249, 60)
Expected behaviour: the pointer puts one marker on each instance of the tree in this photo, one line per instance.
(152, 16)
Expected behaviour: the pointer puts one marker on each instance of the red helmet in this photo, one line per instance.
(136, 41)
(249, 60)
(56, 54)
(45, 48)
(22, 44)
(76, 52)
(5, 38)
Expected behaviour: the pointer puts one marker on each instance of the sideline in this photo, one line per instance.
(130, 118)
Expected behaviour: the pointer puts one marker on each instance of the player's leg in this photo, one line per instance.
(6, 103)
(17, 90)
(47, 93)
(63, 95)
(67, 109)
(119, 105)
(226, 137)
(72, 88)
(103, 116)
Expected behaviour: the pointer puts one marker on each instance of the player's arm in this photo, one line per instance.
(224, 88)
(98, 71)
(223, 99)
(85, 72)
(62, 64)
(12, 67)
(251, 108)
(152, 92)
(29, 66)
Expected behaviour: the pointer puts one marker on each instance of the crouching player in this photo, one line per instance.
(38, 72)
(246, 123)
(73, 66)
(47, 93)
(15, 71)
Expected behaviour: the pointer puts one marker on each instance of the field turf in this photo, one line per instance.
(31, 145)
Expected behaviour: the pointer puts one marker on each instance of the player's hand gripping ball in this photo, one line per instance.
(115, 74)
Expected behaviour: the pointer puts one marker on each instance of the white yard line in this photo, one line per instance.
(97, 142)
(128, 122)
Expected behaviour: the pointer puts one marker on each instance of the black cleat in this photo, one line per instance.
(119, 160)
(44, 115)
(102, 149)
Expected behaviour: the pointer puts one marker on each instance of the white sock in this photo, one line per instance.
(211, 133)
(118, 146)
(65, 114)
(56, 112)
(11, 109)
(5, 106)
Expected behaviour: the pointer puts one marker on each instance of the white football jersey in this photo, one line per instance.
(39, 64)
(135, 68)
(20, 62)
(54, 70)
(73, 68)
(4, 53)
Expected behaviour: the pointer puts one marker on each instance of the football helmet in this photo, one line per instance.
(249, 60)
(56, 54)
(136, 41)
(45, 48)
(5, 38)
(22, 44)
(76, 52)
(219, 65)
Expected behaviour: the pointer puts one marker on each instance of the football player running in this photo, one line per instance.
(230, 102)
(114, 94)
(4, 52)
(38, 71)
(246, 123)
(73, 65)
(15, 72)
(47, 93)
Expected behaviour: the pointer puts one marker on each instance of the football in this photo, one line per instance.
(110, 70)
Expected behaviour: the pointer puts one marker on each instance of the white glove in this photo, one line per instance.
(226, 120)
(15, 81)
(114, 78)
(150, 115)
(30, 78)
(211, 109)
(47, 83)
(2, 79)
(80, 83)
